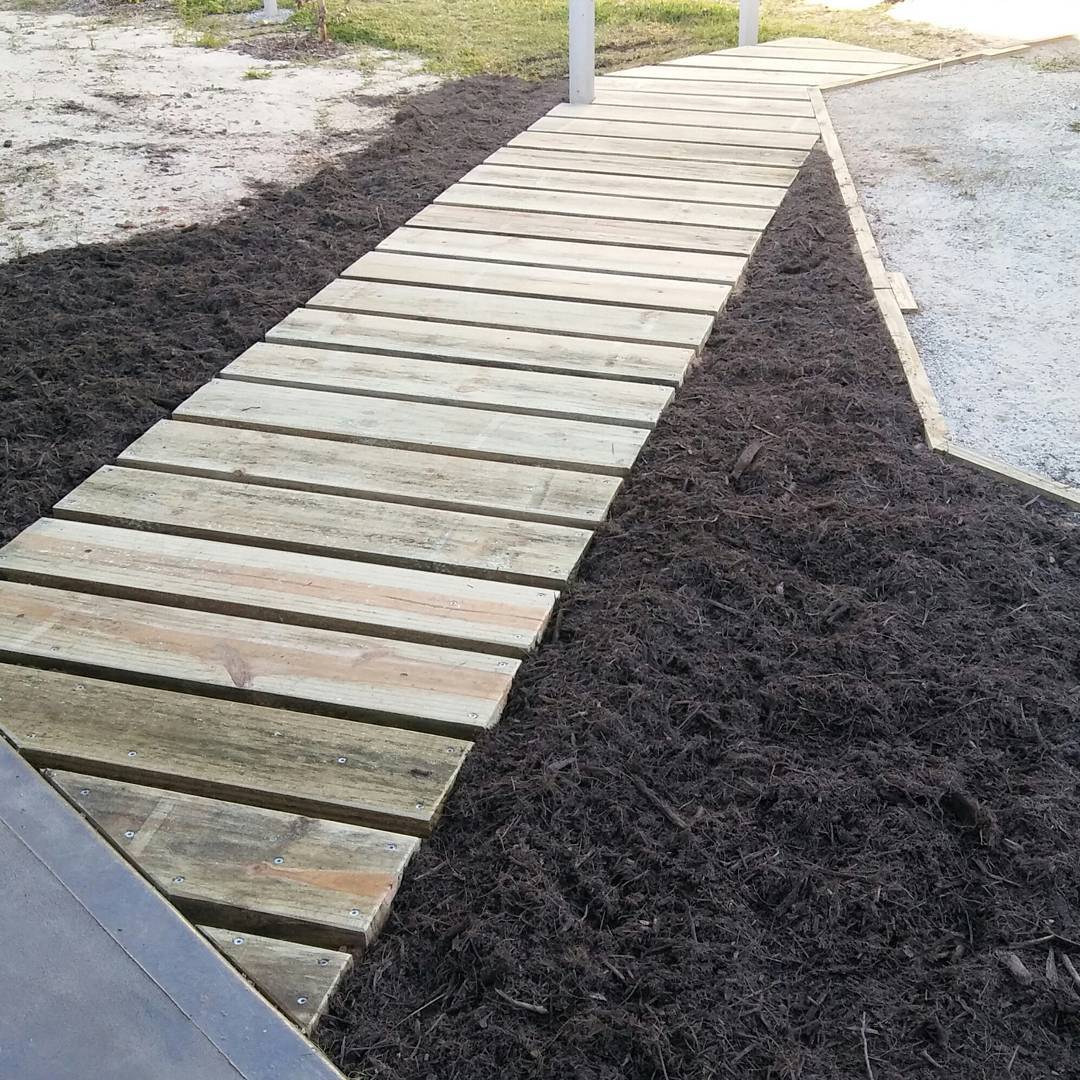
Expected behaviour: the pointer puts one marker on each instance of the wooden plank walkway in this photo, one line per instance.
(256, 650)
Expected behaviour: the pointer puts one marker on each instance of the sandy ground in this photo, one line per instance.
(109, 126)
(971, 179)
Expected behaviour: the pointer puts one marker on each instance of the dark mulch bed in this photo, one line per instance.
(801, 758)
(98, 342)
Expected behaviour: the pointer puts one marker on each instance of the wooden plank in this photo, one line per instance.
(413, 425)
(846, 53)
(445, 691)
(779, 108)
(624, 208)
(532, 393)
(580, 142)
(567, 254)
(643, 324)
(649, 113)
(766, 67)
(702, 239)
(527, 552)
(319, 766)
(643, 167)
(742, 81)
(673, 132)
(699, 297)
(298, 979)
(283, 586)
(436, 481)
(637, 187)
(480, 344)
(321, 882)
(662, 80)
(904, 296)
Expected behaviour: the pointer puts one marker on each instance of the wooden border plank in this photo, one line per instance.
(902, 290)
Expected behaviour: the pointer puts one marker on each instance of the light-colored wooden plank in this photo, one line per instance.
(528, 552)
(864, 237)
(414, 425)
(319, 766)
(446, 691)
(717, 121)
(674, 132)
(904, 296)
(661, 80)
(767, 67)
(846, 53)
(637, 187)
(760, 81)
(480, 344)
(643, 167)
(780, 108)
(260, 583)
(643, 324)
(321, 882)
(298, 979)
(621, 208)
(1029, 481)
(533, 393)
(578, 142)
(618, 289)
(434, 481)
(702, 239)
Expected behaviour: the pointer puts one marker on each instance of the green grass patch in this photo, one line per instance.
(258, 73)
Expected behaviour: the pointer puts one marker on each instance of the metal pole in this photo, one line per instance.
(748, 22)
(582, 51)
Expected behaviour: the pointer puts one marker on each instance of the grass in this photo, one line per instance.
(1057, 63)
(258, 73)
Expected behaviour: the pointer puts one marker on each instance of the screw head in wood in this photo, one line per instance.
(278, 861)
(236, 940)
(130, 834)
(301, 1000)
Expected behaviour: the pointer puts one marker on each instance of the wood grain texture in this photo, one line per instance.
(639, 188)
(635, 167)
(480, 344)
(610, 288)
(319, 766)
(837, 51)
(902, 288)
(409, 425)
(604, 205)
(770, 66)
(685, 239)
(298, 979)
(579, 123)
(664, 80)
(216, 860)
(554, 496)
(503, 390)
(704, 102)
(686, 68)
(527, 552)
(445, 691)
(646, 112)
(642, 324)
(260, 583)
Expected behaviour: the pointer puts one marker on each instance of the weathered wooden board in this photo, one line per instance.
(529, 552)
(768, 67)
(620, 207)
(319, 766)
(683, 115)
(637, 187)
(846, 53)
(902, 288)
(446, 691)
(674, 70)
(298, 979)
(703, 102)
(702, 239)
(598, 288)
(481, 344)
(624, 165)
(320, 882)
(581, 142)
(567, 254)
(534, 393)
(726, 137)
(555, 496)
(672, 81)
(476, 433)
(567, 317)
(285, 586)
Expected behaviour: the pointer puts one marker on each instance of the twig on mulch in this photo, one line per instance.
(866, 1049)
(1016, 968)
(1070, 967)
(527, 1006)
(668, 811)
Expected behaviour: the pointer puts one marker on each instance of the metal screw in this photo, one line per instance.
(322, 961)
(391, 846)
(130, 834)
(355, 911)
(278, 861)
(474, 716)
(502, 663)
(132, 753)
(235, 940)
(342, 760)
(178, 881)
(419, 806)
(301, 1000)
(84, 791)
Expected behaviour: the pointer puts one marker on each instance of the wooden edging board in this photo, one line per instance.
(935, 428)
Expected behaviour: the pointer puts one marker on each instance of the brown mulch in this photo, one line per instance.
(799, 769)
(98, 342)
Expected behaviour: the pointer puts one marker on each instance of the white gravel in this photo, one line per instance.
(971, 179)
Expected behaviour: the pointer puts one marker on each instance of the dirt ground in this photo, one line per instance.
(100, 341)
(798, 769)
(114, 121)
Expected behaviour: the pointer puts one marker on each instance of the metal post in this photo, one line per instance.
(582, 51)
(748, 22)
